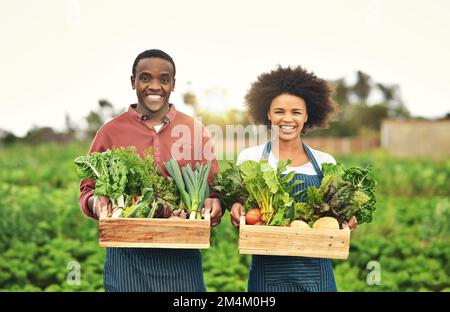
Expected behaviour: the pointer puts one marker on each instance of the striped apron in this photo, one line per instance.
(153, 270)
(287, 273)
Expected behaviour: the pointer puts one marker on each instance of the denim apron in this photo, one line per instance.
(288, 273)
(153, 270)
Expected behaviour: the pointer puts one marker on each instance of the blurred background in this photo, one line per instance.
(66, 67)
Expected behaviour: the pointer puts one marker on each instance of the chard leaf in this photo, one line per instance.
(249, 169)
(271, 180)
(279, 219)
(313, 196)
(325, 184)
(332, 169)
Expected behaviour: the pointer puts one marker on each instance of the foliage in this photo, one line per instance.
(343, 193)
(42, 230)
(270, 190)
(229, 187)
(191, 184)
(121, 172)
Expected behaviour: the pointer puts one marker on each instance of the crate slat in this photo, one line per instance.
(291, 241)
(155, 233)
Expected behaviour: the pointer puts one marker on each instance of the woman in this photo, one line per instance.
(290, 101)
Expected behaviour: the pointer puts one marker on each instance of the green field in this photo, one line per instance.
(43, 232)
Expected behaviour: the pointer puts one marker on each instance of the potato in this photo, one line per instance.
(326, 223)
(299, 224)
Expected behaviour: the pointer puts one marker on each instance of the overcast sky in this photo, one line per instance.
(62, 56)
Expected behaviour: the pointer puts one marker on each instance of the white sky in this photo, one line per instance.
(62, 56)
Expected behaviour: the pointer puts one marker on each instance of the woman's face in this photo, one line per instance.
(287, 114)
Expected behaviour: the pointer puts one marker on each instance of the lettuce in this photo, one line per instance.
(229, 187)
(121, 174)
(343, 193)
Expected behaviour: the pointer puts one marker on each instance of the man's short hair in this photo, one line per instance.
(153, 53)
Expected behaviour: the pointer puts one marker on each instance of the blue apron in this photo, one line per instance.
(153, 270)
(287, 273)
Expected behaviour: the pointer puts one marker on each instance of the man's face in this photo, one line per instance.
(153, 83)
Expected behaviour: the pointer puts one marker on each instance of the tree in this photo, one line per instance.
(341, 92)
(104, 104)
(7, 137)
(38, 135)
(392, 99)
(190, 98)
(95, 119)
(387, 91)
(362, 86)
(106, 109)
(94, 122)
(70, 127)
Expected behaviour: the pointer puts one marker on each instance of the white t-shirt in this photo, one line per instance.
(158, 127)
(255, 153)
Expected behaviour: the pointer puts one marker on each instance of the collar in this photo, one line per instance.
(170, 116)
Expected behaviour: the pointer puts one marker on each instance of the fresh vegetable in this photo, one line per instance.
(253, 216)
(109, 173)
(141, 208)
(124, 176)
(343, 193)
(256, 184)
(117, 213)
(270, 190)
(229, 187)
(326, 223)
(180, 213)
(192, 185)
(299, 224)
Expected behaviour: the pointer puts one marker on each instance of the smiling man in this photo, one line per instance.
(153, 79)
(153, 122)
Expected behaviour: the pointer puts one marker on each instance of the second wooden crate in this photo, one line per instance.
(292, 241)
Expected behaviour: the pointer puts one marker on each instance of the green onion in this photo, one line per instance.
(192, 185)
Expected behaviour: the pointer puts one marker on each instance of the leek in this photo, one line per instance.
(191, 184)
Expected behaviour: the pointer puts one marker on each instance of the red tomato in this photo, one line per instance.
(253, 216)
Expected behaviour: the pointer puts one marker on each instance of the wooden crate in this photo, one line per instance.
(154, 233)
(292, 241)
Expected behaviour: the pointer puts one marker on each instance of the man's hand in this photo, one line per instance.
(213, 205)
(100, 204)
(236, 212)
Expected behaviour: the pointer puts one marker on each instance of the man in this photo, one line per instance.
(154, 122)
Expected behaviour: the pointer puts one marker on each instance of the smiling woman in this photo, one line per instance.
(290, 101)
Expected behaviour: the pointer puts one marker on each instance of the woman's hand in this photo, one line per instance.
(213, 205)
(352, 224)
(236, 212)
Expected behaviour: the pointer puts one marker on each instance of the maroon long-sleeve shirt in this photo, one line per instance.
(181, 137)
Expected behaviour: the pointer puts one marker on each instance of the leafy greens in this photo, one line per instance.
(122, 175)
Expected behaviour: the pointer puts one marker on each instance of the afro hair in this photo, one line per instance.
(296, 81)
